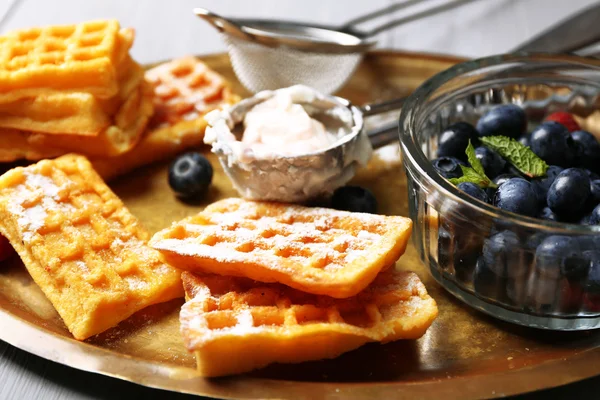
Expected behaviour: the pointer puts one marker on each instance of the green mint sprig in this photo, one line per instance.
(520, 156)
(475, 173)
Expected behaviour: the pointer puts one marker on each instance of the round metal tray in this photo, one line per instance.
(465, 354)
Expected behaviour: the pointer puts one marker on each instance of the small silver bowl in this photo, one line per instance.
(291, 178)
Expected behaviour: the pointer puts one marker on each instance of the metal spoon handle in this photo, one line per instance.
(384, 106)
(383, 135)
(350, 26)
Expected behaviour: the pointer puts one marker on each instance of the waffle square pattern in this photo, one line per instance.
(235, 325)
(185, 89)
(80, 244)
(61, 57)
(316, 250)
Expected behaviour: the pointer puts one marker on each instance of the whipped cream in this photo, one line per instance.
(281, 125)
(289, 145)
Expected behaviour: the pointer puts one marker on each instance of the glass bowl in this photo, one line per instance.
(496, 261)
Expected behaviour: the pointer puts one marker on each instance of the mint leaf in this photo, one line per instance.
(473, 160)
(520, 156)
(473, 176)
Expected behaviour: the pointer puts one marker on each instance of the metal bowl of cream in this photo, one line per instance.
(290, 145)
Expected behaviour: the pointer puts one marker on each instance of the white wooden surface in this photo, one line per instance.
(168, 29)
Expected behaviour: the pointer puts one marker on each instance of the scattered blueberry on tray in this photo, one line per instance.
(354, 199)
(190, 176)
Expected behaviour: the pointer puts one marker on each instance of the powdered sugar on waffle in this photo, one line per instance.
(194, 321)
(33, 218)
(298, 241)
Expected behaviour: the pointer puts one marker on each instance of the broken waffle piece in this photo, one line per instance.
(185, 89)
(235, 325)
(317, 250)
(81, 245)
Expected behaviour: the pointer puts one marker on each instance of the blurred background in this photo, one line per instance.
(167, 29)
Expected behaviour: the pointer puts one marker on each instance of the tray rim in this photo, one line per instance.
(87, 357)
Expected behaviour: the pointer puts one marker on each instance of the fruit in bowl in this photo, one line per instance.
(556, 175)
(549, 174)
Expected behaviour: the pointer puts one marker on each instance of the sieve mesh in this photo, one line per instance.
(260, 67)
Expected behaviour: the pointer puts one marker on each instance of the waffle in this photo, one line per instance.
(15, 145)
(81, 245)
(129, 124)
(71, 113)
(185, 89)
(317, 250)
(79, 57)
(127, 129)
(235, 325)
(167, 139)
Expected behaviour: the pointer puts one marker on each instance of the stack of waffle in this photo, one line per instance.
(268, 282)
(71, 88)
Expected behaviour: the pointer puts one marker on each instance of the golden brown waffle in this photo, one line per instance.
(15, 145)
(185, 89)
(71, 113)
(235, 325)
(317, 250)
(168, 139)
(127, 129)
(81, 245)
(79, 57)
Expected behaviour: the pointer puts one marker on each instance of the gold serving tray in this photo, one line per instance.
(465, 354)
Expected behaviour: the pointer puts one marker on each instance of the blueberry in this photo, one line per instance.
(585, 220)
(592, 284)
(552, 142)
(506, 120)
(569, 193)
(548, 214)
(588, 155)
(490, 192)
(525, 139)
(560, 256)
(448, 167)
(458, 247)
(486, 283)
(511, 170)
(502, 255)
(595, 216)
(444, 247)
(593, 176)
(473, 190)
(355, 199)
(454, 140)
(541, 185)
(517, 195)
(492, 162)
(500, 179)
(595, 192)
(190, 175)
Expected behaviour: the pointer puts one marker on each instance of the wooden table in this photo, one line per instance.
(168, 29)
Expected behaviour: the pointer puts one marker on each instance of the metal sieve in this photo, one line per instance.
(271, 54)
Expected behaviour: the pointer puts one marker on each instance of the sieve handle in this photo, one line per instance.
(222, 24)
(350, 26)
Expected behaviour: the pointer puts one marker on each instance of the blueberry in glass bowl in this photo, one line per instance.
(523, 256)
